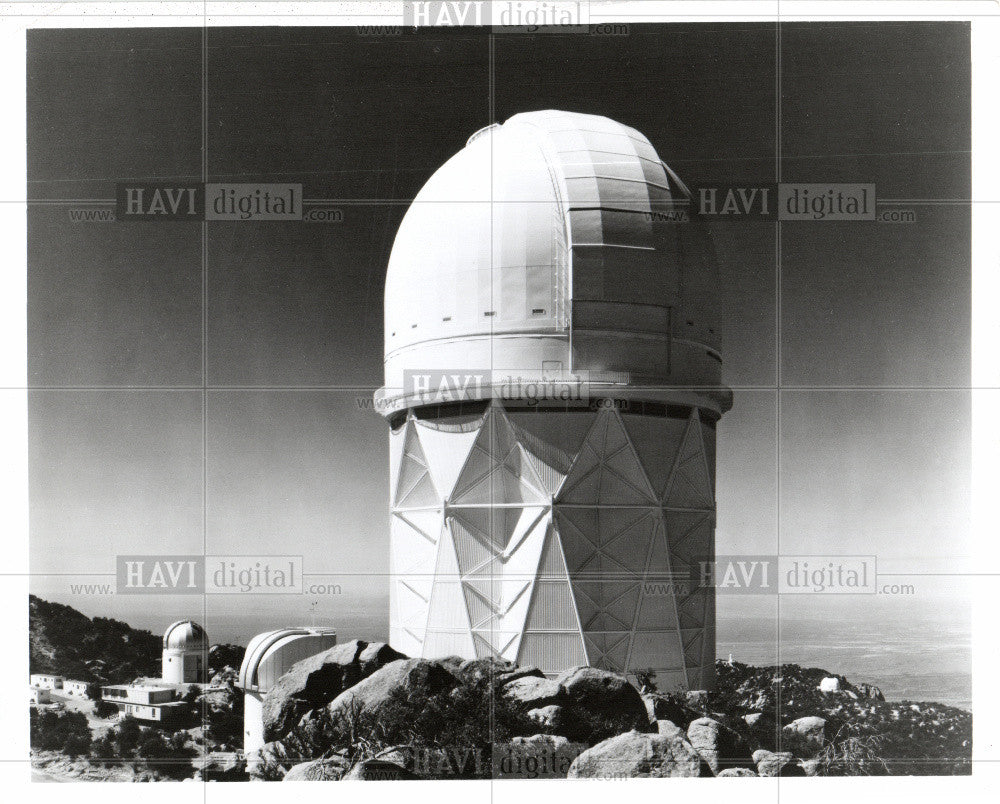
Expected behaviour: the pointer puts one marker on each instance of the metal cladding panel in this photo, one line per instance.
(546, 216)
(588, 575)
(552, 608)
(445, 453)
(485, 228)
(555, 651)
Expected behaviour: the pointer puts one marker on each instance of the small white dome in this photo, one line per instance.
(185, 635)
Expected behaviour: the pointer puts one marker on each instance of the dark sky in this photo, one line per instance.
(867, 323)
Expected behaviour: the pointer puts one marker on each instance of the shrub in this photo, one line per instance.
(853, 756)
(458, 728)
(146, 749)
(105, 709)
(60, 731)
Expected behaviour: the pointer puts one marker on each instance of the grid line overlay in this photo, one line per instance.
(205, 388)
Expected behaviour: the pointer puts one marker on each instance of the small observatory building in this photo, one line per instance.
(268, 657)
(554, 528)
(185, 653)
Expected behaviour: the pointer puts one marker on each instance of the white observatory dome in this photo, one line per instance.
(550, 244)
(185, 635)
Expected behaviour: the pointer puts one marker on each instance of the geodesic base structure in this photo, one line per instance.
(556, 538)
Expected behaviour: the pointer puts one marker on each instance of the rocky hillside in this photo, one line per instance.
(363, 711)
(65, 642)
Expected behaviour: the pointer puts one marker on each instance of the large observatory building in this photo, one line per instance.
(548, 253)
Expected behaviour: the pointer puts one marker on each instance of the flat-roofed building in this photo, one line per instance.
(45, 681)
(157, 704)
(39, 695)
(78, 689)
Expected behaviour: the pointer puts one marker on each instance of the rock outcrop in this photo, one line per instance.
(540, 756)
(533, 692)
(812, 730)
(418, 679)
(781, 763)
(319, 770)
(315, 681)
(636, 754)
(669, 707)
(553, 717)
(736, 772)
(604, 695)
(717, 744)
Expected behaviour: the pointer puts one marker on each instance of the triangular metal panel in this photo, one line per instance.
(657, 442)
(690, 485)
(397, 439)
(425, 523)
(446, 453)
(553, 438)
(552, 608)
(616, 656)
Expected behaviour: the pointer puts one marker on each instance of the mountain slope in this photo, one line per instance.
(65, 642)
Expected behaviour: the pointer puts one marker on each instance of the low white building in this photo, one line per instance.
(156, 704)
(268, 657)
(46, 681)
(78, 689)
(39, 695)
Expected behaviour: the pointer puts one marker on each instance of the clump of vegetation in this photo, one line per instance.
(853, 755)
(105, 709)
(60, 731)
(451, 735)
(65, 642)
(145, 749)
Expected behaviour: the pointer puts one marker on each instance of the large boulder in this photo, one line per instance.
(426, 762)
(532, 692)
(669, 728)
(319, 770)
(811, 767)
(870, 691)
(635, 754)
(416, 679)
(762, 729)
(605, 696)
(552, 717)
(782, 763)
(725, 772)
(697, 699)
(499, 672)
(812, 730)
(492, 668)
(540, 756)
(519, 672)
(316, 681)
(668, 707)
(717, 744)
